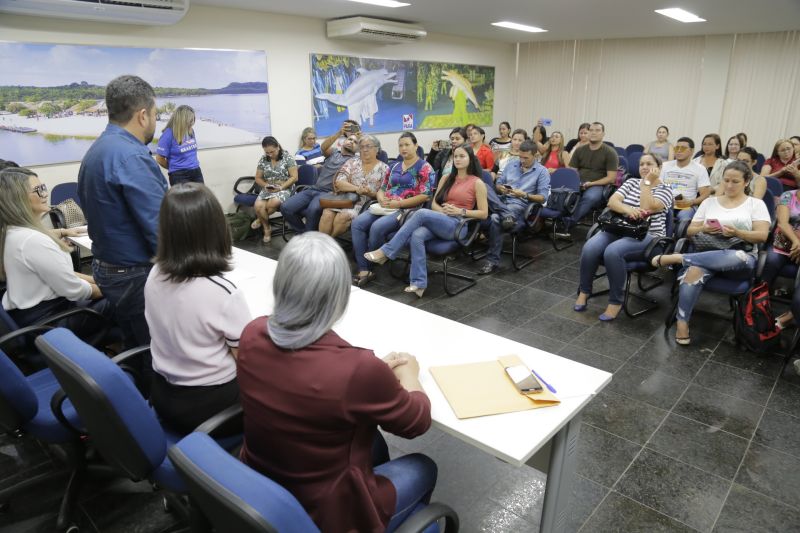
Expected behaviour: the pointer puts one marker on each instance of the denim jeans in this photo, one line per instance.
(495, 229)
(303, 204)
(124, 288)
(414, 478)
(685, 214)
(773, 265)
(614, 251)
(735, 262)
(591, 198)
(192, 175)
(368, 233)
(420, 227)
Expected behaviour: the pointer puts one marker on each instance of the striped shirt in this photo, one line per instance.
(631, 192)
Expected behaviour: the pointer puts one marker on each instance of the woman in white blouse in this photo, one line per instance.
(35, 264)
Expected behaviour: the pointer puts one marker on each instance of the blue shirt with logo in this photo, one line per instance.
(179, 156)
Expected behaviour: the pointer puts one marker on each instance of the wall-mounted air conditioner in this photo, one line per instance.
(370, 29)
(147, 12)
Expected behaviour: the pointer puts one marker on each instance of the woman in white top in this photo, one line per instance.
(195, 313)
(734, 214)
(36, 265)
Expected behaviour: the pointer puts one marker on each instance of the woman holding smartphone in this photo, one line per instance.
(441, 157)
(734, 214)
(276, 174)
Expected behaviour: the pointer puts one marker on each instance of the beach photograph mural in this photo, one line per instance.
(388, 95)
(52, 103)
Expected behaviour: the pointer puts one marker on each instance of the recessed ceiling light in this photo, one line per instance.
(515, 26)
(382, 3)
(679, 14)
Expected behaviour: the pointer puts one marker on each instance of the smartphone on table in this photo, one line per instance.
(523, 379)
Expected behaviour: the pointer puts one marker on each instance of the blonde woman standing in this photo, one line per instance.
(177, 148)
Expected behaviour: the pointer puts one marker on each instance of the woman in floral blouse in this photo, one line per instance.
(362, 175)
(276, 174)
(408, 184)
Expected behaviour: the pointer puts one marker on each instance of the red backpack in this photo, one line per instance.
(755, 323)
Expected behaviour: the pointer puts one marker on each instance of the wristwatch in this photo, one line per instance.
(647, 182)
(463, 212)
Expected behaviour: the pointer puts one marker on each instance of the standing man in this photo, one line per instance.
(597, 164)
(521, 182)
(306, 202)
(687, 178)
(120, 187)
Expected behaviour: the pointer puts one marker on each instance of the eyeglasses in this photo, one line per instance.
(368, 146)
(682, 148)
(40, 190)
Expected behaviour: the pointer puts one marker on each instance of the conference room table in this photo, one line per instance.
(436, 341)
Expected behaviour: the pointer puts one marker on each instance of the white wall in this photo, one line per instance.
(695, 85)
(288, 42)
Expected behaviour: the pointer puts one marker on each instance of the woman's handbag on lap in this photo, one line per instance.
(619, 224)
(342, 200)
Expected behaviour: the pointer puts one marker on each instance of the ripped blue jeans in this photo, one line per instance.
(735, 263)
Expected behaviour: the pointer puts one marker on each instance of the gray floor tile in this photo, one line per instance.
(746, 511)
(707, 448)
(586, 496)
(650, 386)
(780, 431)
(625, 417)
(772, 473)
(785, 397)
(442, 307)
(128, 507)
(533, 299)
(740, 383)
(641, 328)
(603, 457)
(676, 489)
(665, 355)
(730, 354)
(618, 514)
(470, 300)
(564, 308)
(521, 491)
(568, 274)
(489, 284)
(488, 323)
(534, 339)
(554, 326)
(590, 358)
(607, 342)
(507, 312)
(720, 411)
(554, 285)
(486, 516)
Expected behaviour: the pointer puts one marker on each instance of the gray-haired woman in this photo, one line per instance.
(312, 402)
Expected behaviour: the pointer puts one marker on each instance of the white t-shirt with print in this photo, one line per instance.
(685, 181)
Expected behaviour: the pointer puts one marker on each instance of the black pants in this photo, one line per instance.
(82, 325)
(183, 408)
(189, 174)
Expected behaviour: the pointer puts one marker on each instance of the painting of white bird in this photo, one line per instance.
(460, 83)
(359, 97)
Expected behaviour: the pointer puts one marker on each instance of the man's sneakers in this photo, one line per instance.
(508, 222)
(488, 268)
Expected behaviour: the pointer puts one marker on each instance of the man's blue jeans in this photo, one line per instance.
(303, 204)
(368, 233)
(124, 288)
(591, 197)
(685, 214)
(736, 263)
(414, 478)
(495, 229)
(419, 228)
(614, 251)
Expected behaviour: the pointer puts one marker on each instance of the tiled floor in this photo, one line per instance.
(699, 438)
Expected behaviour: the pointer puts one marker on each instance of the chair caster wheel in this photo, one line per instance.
(72, 529)
(166, 505)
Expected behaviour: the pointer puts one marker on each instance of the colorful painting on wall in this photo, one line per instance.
(52, 103)
(388, 95)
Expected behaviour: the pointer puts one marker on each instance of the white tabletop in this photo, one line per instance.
(383, 325)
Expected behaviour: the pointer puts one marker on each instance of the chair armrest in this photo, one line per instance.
(420, 521)
(244, 179)
(680, 231)
(405, 213)
(663, 242)
(682, 245)
(608, 190)
(300, 188)
(125, 361)
(123, 357)
(22, 332)
(51, 320)
(365, 207)
(472, 232)
(762, 262)
(57, 406)
(223, 421)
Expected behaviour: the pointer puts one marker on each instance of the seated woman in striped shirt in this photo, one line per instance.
(636, 198)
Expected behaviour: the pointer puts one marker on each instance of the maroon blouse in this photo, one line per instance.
(310, 418)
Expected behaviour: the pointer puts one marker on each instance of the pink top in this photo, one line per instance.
(462, 193)
(552, 160)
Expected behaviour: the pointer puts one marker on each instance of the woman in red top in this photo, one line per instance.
(460, 195)
(783, 165)
(477, 138)
(553, 154)
(312, 402)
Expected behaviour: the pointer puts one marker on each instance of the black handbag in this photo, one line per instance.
(618, 224)
(704, 242)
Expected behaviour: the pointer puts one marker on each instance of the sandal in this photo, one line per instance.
(655, 262)
(267, 238)
(256, 224)
(373, 257)
(416, 290)
(360, 281)
(683, 341)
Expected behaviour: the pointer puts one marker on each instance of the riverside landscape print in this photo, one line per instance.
(52, 104)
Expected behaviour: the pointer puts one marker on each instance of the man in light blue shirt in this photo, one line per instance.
(521, 182)
(120, 187)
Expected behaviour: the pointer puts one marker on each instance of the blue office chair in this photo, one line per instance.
(623, 163)
(633, 164)
(760, 159)
(420, 152)
(634, 148)
(383, 156)
(117, 418)
(642, 268)
(769, 201)
(26, 409)
(562, 178)
(621, 151)
(233, 497)
(65, 191)
(245, 192)
(306, 177)
(774, 186)
(609, 143)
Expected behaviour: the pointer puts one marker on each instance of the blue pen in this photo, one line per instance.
(549, 387)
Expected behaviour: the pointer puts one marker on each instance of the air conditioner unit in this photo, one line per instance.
(370, 29)
(147, 12)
